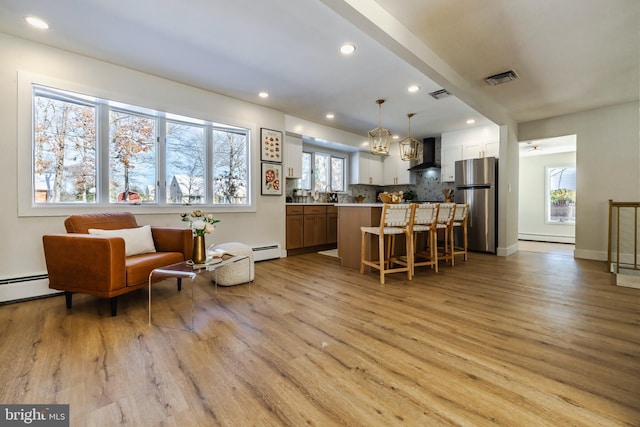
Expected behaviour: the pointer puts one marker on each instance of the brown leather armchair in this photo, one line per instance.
(97, 265)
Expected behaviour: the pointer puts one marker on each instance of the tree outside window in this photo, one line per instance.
(322, 172)
(64, 151)
(132, 143)
(185, 163)
(561, 194)
(229, 167)
(202, 162)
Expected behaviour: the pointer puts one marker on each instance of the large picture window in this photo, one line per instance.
(202, 163)
(561, 195)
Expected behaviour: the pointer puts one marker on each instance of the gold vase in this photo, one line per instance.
(199, 251)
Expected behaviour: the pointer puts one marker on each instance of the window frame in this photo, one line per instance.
(25, 156)
(331, 154)
(547, 194)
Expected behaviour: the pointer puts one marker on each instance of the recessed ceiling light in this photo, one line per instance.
(330, 116)
(347, 49)
(395, 137)
(263, 95)
(37, 22)
(413, 88)
(471, 121)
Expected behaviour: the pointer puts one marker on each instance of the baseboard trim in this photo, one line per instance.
(553, 238)
(593, 255)
(509, 250)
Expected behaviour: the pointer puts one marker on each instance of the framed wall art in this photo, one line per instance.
(270, 145)
(271, 179)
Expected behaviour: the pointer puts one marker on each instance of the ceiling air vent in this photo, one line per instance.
(439, 94)
(500, 78)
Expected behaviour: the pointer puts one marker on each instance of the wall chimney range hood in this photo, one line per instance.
(428, 156)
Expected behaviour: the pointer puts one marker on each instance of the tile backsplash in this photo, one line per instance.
(427, 187)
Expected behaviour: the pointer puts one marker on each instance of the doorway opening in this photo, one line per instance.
(547, 195)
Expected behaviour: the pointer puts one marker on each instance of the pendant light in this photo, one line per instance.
(379, 137)
(409, 147)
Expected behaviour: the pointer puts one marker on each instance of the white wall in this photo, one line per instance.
(607, 164)
(21, 252)
(531, 207)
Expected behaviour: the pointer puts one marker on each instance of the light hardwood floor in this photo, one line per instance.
(531, 339)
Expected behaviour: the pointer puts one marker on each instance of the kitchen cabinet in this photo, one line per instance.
(332, 224)
(492, 149)
(450, 155)
(295, 229)
(293, 157)
(315, 225)
(366, 169)
(472, 143)
(480, 150)
(311, 228)
(396, 170)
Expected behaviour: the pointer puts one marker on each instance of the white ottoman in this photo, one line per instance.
(239, 272)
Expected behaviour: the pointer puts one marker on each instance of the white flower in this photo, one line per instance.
(200, 222)
(198, 225)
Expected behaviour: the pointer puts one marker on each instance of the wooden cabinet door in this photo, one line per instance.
(295, 231)
(332, 228)
(315, 229)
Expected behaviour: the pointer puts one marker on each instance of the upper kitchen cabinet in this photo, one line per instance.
(479, 150)
(366, 169)
(450, 155)
(466, 144)
(293, 156)
(395, 169)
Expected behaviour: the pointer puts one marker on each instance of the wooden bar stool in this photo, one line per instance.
(425, 220)
(395, 220)
(446, 213)
(460, 220)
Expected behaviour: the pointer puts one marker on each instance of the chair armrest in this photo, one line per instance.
(172, 239)
(93, 264)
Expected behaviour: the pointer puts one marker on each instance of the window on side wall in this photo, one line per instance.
(201, 163)
(560, 195)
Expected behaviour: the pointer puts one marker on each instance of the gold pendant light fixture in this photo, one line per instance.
(409, 146)
(379, 137)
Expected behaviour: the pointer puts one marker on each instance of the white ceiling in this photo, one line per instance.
(571, 55)
(559, 144)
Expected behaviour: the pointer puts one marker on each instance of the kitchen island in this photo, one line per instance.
(352, 216)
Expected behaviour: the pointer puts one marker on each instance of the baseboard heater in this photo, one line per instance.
(262, 253)
(25, 288)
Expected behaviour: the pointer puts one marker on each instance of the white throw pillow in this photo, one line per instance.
(136, 240)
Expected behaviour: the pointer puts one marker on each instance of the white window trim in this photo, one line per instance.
(25, 185)
(311, 149)
(547, 201)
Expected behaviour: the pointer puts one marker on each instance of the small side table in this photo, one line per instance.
(186, 269)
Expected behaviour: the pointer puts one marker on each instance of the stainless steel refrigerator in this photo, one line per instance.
(476, 183)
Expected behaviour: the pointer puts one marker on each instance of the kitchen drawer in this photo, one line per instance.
(332, 209)
(315, 210)
(295, 210)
